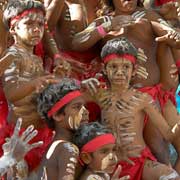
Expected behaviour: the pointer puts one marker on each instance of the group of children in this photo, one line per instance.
(113, 147)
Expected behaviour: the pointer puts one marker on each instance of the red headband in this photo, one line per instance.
(66, 99)
(128, 57)
(21, 15)
(98, 142)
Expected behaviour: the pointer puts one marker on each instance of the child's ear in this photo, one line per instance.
(12, 30)
(135, 68)
(58, 117)
(104, 70)
(86, 158)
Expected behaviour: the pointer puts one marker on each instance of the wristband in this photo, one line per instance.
(101, 31)
(57, 55)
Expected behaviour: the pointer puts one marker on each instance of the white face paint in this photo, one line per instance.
(30, 29)
(106, 161)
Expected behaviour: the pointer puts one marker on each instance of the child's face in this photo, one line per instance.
(104, 159)
(76, 113)
(119, 72)
(29, 30)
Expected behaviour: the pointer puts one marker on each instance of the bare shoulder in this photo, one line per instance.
(142, 96)
(62, 147)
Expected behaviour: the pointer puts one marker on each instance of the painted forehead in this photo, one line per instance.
(119, 61)
(39, 16)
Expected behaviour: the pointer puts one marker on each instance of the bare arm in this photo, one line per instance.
(4, 34)
(53, 12)
(64, 156)
(16, 85)
(157, 119)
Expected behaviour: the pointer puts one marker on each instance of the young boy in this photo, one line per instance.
(121, 103)
(97, 150)
(22, 72)
(62, 106)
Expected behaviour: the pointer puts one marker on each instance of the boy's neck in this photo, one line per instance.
(100, 173)
(62, 133)
(24, 47)
(119, 89)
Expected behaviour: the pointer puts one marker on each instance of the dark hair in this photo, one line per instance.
(52, 94)
(118, 46)
(87, 132)
(16, 7)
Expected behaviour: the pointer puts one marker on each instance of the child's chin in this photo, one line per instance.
(110, 169)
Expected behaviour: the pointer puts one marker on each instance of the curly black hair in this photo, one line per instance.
(87, 132)
(16, 7)
(52, 94)
(119, 46)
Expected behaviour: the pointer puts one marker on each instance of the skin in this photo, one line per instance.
(102, 161)
(159, 62)
(119, 106)
(3, 42)
(27, 32)
(60, 156)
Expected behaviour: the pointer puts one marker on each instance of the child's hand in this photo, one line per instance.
(172, 38)
(62, 69)
(170, 10)
(41, 82)
(17, 146)
(91, 85)
(117, 173)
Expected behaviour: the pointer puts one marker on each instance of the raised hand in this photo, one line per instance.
(91, 85)
(62, 68)
(170, 10)
(172, 37)
(17, 146)
(122, 21)
(41, 82)
(137, 15)
(117, 173)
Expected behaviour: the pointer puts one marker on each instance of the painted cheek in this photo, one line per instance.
(106, 161)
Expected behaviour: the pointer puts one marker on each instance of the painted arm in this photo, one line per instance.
(15, 84)
(4, 34)
(88, 37)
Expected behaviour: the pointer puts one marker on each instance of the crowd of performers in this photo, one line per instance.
(87, 89)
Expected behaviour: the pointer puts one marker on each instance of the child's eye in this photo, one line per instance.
(41, 24)
(127, 66)
(104, 151)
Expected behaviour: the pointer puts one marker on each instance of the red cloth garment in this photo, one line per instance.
(159, 94)
(84, 64)
(3, 108)
(135, 171)
(161, 2)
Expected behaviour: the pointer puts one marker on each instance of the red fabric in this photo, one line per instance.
(128, 57)
(178, 63)
(39, 50)
(135, 171)
(34, 157)
(159, 94)
(161, 2)
(3, 107)
(84, 64)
